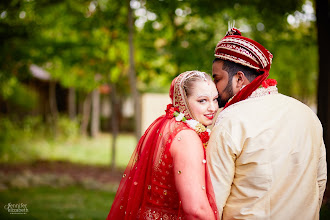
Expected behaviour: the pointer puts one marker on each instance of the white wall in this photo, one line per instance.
(152, 106)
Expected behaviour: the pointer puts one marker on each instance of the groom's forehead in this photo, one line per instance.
(217, 70)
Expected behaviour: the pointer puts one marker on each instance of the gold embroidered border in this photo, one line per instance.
(254, 49)
(179, 96)
(257, 52)
(236, 49)
(235, 59)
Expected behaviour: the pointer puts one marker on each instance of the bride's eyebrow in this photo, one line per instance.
(206, 95)
(201, 95)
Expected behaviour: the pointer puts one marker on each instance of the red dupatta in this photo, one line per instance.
(131, 197)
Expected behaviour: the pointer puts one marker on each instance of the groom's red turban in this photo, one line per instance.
(242, 50)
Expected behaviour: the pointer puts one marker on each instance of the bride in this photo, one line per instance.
(167, 176)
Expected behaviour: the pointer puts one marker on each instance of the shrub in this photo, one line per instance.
(17, 137)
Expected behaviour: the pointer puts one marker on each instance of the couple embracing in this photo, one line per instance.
(264, 159)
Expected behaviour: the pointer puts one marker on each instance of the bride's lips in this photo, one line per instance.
(209, 116)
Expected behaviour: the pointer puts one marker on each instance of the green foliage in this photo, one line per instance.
(295, 62)
(17, 94)
(188, 31)
(72, 40)
(31, 139)
(68, 129)
(297, 75)
(13, 137)
(19, 137)
(84, 44)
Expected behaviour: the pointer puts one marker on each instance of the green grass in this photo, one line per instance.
(58, 203)
(70, 202)
(66, 203)
(95, 151)
(85, 150)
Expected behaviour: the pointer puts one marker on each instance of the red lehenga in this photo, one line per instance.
(147, 189)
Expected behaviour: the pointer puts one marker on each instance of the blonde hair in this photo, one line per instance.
(195, 76)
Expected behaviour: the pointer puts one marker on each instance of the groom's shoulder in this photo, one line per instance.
(251, 109)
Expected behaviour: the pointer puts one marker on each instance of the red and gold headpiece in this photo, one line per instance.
(242, 50)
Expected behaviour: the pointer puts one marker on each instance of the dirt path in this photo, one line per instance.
(78, 172)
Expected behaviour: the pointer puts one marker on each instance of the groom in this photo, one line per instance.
(266, 154)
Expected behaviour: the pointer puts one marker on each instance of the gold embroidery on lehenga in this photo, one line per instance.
(155, 214)
(162, 197)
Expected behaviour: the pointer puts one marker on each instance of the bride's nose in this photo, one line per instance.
(212, 107)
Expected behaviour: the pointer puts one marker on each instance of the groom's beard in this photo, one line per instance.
(228, 91)
(221, 102)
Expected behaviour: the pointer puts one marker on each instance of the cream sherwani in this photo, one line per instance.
(266, 158)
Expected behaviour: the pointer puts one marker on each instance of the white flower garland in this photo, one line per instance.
(196, 125)
(179, 117)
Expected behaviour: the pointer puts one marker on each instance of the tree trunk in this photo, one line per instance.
(114, 125)
(132, 74)
(95, 121)
(72, 103)
(53, 106)
(323, 97)
(85, 114)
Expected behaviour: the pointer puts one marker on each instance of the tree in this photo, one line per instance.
(323, 100)
(132, 73)
(76, 40)
(186, 32)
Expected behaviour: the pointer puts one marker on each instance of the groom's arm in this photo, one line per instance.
(221, 156)
(322, 173)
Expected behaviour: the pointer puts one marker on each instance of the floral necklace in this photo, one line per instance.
(201, 130)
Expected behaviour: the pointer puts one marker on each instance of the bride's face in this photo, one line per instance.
(203, 102)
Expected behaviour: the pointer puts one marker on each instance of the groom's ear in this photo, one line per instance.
(240, 79)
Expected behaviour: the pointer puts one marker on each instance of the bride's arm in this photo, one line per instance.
(188, 155)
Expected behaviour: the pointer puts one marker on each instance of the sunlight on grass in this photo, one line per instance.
(90, 150)
(85, 150)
